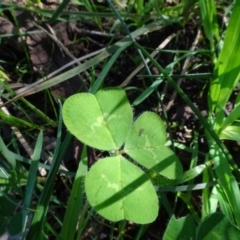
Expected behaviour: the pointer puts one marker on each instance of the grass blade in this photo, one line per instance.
(36, 229)
(59, 9)
(208, 13)
(106, 69)
(228, 182)
(75, 203)
(32, 178)
(95, 60)
(232, 117)
(227, 69)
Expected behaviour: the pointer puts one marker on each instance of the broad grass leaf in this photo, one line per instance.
(208, 13)
(117, 190)
(191, 173)
(223, 202)
(229, 186)
(227, 69)
(75, 201)
(231, 133)
(102, 121)
(16, 224)
(217, 226)
(145, 144)
(7, 207)
(231, 118)
(7, 154)
(180, 229)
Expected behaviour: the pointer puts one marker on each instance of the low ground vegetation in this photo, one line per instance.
(119, 119)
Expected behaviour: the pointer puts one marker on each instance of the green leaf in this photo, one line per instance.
(231, 133)
(228, 188)
(208, 13)
(227, 69)
(223, 203)
(231, 118)
(117, 190)
(3, 227)
(39, 217)
(16, 224)
(180, 229)
(7, 154)
(217, 226)
(191, 173)
(59, 10)
(102, 121)
(7, 206)
(145, 144)
(32, 179)
(75, 202)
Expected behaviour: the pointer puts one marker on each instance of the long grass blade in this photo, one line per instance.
(208, 13)
(228, 183)
(75, 203)
(227, 69)
(59, 9)
(37, 227)
(95, 60)
(32, 179)
(106, 69)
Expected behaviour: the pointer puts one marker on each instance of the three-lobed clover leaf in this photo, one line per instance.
(115, 187)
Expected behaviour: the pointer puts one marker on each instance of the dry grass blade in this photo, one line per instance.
(153, 54)
(184, 71)
(36, 87)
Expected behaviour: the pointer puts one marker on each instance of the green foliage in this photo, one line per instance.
(180, 229)
(227, 69)
(75, 203)
(125, 185)
(228, 189)
(215, 226)
(122, 191)
(145, 144)
(208, 13)
(39, 217)
(14, 178)
(104, 121)
(225, 78)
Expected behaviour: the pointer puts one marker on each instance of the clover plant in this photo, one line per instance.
(117, 187)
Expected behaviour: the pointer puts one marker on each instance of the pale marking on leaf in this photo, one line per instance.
(139, 189)
(154, 156)
(110, 185)
(109, 116)
(147, 141)
(113, 186)
(98, 123)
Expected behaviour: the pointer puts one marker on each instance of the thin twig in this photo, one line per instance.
(153, 54)
(53, 36)
(184, 70)
(32, 85)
